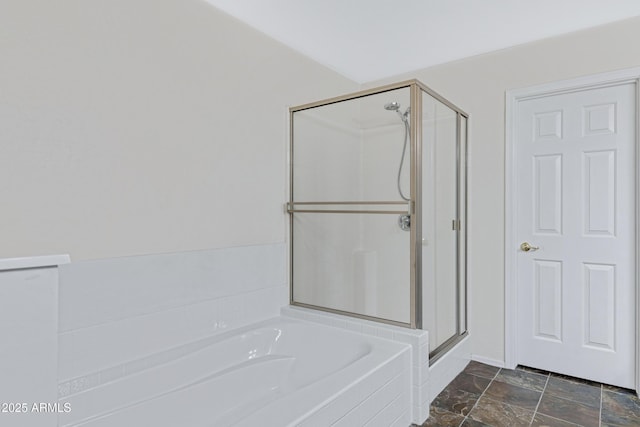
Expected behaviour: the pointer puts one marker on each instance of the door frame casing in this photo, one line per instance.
(513, 98)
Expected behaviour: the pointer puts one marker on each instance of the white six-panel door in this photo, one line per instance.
(575, 160)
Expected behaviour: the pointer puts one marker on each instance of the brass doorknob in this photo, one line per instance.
(526, 247)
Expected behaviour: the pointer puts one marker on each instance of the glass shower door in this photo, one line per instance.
(378, 203)
(443, 196)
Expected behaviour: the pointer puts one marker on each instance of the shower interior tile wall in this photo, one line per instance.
(119, 315)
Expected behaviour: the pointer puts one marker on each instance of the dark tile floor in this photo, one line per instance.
(484, 395)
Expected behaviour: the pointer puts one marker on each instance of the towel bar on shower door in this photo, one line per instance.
(291, 207)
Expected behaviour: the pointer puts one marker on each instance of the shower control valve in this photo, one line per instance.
(404, 222)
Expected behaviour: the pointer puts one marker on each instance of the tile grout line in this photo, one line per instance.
(480, 397)
(535, 411)
(600, 414)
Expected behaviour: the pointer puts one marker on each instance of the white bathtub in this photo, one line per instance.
(280, 372)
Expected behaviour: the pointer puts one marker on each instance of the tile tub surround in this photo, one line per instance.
(484, 395)
(427, 380)
(121, 315)
(28, 327)
(445, 369)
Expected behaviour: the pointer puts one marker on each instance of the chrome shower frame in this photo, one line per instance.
(413, 207)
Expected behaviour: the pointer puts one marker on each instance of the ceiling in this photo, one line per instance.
(367, 40)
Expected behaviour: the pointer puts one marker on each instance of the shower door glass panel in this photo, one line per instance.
(351, 150)
(346, 156)
(439, 221)
(355, 263)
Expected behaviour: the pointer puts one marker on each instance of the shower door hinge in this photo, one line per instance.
(455, 224)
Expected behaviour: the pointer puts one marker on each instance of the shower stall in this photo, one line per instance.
(378, 209)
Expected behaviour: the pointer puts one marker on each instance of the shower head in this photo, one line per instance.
(392, 106)
(395, 106)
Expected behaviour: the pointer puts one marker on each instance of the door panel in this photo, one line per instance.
(600, 306)
(576, 208)
(599, 190)
(548, 300)
(548, 194)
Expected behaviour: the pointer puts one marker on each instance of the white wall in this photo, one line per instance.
(478, 86)
(143, 126)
